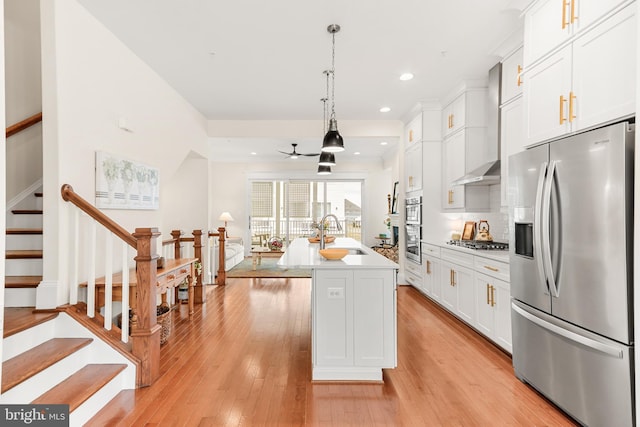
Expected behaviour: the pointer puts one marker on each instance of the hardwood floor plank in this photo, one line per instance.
(244, 359)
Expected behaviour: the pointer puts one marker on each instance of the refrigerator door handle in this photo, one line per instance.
(587, 342)
(537, 225)
(546, 244)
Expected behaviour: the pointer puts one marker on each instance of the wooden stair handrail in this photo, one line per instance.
(68, 195)
(20, 126)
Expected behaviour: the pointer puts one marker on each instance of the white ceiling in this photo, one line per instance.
(264, 60)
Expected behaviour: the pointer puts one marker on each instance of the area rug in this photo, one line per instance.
(267, 268)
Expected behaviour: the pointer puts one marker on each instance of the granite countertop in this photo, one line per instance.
(303, 254)
(498, 255)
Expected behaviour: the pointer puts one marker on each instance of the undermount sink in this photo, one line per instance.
(355, 251)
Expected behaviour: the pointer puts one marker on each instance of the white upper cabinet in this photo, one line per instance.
(588, 82)
(549, 23)
(414, 130)
(413, 167)
(512, 141)
(512, 68)
(466, 110)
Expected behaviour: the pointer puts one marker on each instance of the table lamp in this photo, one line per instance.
(225, 216)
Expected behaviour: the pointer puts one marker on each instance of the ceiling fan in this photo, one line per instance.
(294, 154)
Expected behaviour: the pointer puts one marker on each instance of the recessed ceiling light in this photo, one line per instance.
(253, 153)
(406, 76)
(384, 143)
(385, 109)
(357, 153)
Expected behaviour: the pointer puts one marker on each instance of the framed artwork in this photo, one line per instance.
(469, 231)
(394, 204)
(125, 184)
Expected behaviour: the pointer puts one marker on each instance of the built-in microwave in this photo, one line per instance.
(413, 210)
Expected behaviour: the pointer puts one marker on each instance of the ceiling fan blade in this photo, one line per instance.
(288, 154)
(310, 154)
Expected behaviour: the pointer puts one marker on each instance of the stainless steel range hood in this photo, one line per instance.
(489, 173)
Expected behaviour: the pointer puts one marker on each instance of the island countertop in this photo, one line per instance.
(303, 254)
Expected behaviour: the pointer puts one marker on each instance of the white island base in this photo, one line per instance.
(353, 311)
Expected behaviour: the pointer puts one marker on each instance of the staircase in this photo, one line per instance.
(50, 358)
(23, 256)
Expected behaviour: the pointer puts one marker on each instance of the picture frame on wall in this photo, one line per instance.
(394, 200)
(126, 184)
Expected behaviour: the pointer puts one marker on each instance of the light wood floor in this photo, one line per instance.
(244, 359)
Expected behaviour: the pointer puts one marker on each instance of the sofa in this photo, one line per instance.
(233, 253)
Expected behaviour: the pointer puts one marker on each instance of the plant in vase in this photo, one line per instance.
(275, 244)
(111, 172)
(141, 175)
(127, 174)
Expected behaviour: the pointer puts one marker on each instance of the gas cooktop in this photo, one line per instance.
(479, 244)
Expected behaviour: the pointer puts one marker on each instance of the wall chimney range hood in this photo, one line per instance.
(486, 174)
(489, 173)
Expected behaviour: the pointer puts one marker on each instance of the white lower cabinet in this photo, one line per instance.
(473, 288)
(353, 323)
(493, 309)
(413, 274)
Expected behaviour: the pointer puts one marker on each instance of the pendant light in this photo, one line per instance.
(333, 142)
(326, 158)
(324, 170)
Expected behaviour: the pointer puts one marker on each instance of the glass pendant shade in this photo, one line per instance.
(324, 170)
(327, 159)
(333, 142)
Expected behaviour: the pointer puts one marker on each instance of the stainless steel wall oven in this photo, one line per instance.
(413, 228)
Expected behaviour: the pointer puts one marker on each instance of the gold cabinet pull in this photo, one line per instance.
(572, 116)
(452, 120)
(410, 135)
(428, 267)
(493, 300)
(488, 267)
(453, 274)
(519, 81)
(565, 4)
(573, 11)
(562, 101)
(450, 197)
(488, 298)
(410, 181)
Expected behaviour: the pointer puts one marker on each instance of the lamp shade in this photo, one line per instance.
(225, 216)
(327, 159)
(324, 170)
(333, 142)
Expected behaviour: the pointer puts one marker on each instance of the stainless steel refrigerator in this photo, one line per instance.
(571, 257)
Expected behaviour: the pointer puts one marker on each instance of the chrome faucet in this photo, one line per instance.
(324, 218)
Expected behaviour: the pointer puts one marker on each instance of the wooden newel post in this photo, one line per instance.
(200, 290)
(145, 337)
(177, 245)
(222, 274)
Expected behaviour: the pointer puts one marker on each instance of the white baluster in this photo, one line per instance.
(125, 293)
(73, 297)
(108, 281)
(91, 284)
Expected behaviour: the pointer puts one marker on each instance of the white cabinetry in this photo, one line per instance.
(512, 141)
(350, 320)
(549, 23)
(431, 271)
(512, 67)
(413, 131)
(493, 301)
(474, 288)
(413, 167)
(458, 275)
(413, 274)
(584, 83)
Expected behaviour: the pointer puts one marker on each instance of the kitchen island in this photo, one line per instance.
(353, 310)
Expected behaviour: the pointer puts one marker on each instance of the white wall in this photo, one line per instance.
(23, 93)
(3, 182)
(90, 80)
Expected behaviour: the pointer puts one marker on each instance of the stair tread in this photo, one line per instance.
(37, 194)
(38, 358)
(22, 281)
(81, 385)
(23, 254)
(18, 319)
(26, 211)
(24, 230)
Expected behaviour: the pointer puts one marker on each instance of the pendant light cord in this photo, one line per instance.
(333, 75)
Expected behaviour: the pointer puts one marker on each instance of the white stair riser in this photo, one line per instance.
(30, 389)
(20, 297)
(23, 221)
(29, 338)
(23, 241)
(23, 267)
(87, 410)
